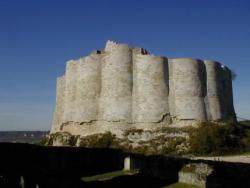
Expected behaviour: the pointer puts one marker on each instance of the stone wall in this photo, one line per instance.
(120, 88)
(202, 173)
(64, 166)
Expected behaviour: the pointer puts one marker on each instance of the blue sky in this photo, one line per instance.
(37, 37)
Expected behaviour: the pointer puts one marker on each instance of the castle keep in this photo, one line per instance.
(121, 88)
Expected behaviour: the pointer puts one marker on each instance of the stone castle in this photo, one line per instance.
(121, 88)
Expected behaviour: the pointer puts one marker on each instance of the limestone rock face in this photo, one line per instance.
(121, 88)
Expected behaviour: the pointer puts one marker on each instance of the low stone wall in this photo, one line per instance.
(63, 166)
(213, 173)
(195, 174)
(46, 166)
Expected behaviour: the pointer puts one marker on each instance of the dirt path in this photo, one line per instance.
(237, 158)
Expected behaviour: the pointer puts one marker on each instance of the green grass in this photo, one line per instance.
(108, 175)
(180, 185)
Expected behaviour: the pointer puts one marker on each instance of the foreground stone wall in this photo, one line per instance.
(63, 167)
(120, 88)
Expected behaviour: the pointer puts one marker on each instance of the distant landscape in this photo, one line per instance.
(31, 137)
(34, 137)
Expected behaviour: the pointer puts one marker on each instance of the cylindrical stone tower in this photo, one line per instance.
(70, 91)
(189, 88)
(59, 108)
(171, 95)
(215, 91)
(116, 85)
(228, 94)
(150, 91)
(88, 88)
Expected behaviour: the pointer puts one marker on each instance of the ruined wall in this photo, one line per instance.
(121, 88)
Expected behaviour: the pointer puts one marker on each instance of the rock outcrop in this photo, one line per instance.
(121, 88)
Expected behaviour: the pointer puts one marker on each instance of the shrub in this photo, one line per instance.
(104, 140)
(172, 146)
(64, 137)
(43, 142)
(245, 139)
(47, 140)
(73, 140)
(216, 139)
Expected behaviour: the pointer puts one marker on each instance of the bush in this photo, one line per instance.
(73, 140)
(65, 137)
(217, 139)
(172, 145)
(46, 141)
(104, 140)
(245, 140)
